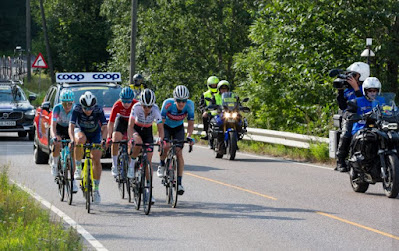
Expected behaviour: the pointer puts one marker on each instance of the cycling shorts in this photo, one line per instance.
(62, 131)
(121, 125)
(146, 134)
(92, 137)
(175, 133)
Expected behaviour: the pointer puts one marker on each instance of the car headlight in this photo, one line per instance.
(30, 113)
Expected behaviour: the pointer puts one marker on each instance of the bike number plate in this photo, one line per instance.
(8, 123)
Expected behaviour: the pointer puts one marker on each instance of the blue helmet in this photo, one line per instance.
(67, 96)
(127, 94)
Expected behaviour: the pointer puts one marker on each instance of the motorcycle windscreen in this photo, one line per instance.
(229, 100)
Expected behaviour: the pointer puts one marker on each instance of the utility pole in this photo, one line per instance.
(50, 62)
(28, 39)
(133, 42)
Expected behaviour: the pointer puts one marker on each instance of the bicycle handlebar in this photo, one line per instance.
(176, 141)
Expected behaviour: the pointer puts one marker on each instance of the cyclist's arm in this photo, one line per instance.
(130, 127)
(71, 132)
(190, 128)
(160, 130)
(104, 131)
(110, 129)
(53, 129)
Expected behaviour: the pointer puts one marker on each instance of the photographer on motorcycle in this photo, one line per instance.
(357, 73)
(212, 83)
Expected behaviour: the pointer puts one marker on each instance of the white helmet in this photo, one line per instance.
(147, 97)
(362, 68)
(371, 83)
(181, 92)
(88, 99)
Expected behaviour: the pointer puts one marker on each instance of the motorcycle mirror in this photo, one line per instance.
(334, 72)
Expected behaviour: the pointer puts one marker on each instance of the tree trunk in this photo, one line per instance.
(50, 61)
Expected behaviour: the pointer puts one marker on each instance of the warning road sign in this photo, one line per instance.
(39, 62)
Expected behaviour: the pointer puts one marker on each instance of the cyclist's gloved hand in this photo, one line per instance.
(54, 139)
(103, 143)
(192, 141)
(109, 141)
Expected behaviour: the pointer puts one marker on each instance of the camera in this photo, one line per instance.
(341, 81)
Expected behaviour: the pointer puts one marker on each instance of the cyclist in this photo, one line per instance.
(85, 127)
(138, 84)
(173, 112)
(143, 114)
(123, 107)
(212, 83)
(62, 113)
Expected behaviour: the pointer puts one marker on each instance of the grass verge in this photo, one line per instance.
(25, 225)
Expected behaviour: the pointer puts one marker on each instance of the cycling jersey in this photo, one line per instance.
(60, 116)
(172, 116)
(141, 119)
(118, 108)
(88, 123)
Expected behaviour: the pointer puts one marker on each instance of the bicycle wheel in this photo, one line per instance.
(121, 175)
(88, 187)
(61, 181)
(137, 186)
(147, 188)
(168, 182)
(175, 194)
(69, 179)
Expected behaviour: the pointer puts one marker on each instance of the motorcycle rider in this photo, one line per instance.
(138, 84)
(212, 83)
(360, 71)
(362, 105)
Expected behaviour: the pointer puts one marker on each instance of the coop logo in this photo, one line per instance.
(107, 76)
(78, 77)
(67, 77)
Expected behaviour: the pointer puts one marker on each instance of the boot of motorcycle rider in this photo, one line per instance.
(206, 116)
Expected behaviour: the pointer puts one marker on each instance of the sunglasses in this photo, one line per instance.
(91, 108)
(67, 103)
(181, 100)
(147, 106)
(126, 101)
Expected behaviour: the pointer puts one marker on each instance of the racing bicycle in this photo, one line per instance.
(123, 165)
(65, 176)
(172, 171)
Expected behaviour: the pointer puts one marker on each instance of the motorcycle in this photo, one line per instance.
(373, 155)
(228, 126)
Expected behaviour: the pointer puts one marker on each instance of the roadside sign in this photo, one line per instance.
(39, 62)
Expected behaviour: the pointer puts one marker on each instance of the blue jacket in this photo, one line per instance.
(364, 106)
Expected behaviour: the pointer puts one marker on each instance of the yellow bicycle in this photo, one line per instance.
(87, 182)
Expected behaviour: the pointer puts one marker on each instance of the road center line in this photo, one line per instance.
(228, 185)
(358, 225)
(95, 243)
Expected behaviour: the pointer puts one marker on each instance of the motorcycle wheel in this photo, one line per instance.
(391, 182)
(219, 151)
(231, 146)
(357, 186)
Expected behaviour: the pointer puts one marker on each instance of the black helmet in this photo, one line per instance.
(137, 79)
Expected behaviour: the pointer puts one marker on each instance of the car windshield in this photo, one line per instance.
(106, 96)
(6, 95)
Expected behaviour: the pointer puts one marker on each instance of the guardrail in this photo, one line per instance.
(274, 137)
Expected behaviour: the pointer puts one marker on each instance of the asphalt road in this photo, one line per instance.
(253, 202)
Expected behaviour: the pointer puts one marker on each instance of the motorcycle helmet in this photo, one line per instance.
(362, 68)
(137, 79)
(147, 97)
(212, 80)
(181, 92)
(67, 96)
(371, 83)
(223, 83)
(88, 100)
(126, 95)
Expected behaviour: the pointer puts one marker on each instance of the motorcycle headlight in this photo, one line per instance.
(227, 115)
(30, 113)
(234, 115)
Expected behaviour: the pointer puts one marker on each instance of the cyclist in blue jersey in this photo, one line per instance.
(174, 111)
(88, 124)
(62, 113)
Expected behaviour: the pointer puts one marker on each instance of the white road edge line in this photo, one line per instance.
(95, 243)
(277, 159)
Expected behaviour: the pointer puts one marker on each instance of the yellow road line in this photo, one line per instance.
(228, 185)
(359, 225)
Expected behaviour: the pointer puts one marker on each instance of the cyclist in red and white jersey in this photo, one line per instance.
(143, 114)
(117, 126)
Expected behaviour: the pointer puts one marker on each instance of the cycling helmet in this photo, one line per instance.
(137, 79)
(222, 83)
(371, 83)
(362, 68)
(212, 80)
(88, 99)
(126, 94)
(181, 92)
(67, 95)
(147, 97)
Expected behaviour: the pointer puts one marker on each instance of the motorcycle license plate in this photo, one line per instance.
(8, 123)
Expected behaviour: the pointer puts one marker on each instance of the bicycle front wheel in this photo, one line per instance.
(137, 187)
(147, 187)
(69, 179)
(61, 181)
(121, 177)
(88, 182)
(175, 194)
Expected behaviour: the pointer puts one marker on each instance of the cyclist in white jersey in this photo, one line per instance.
(139, 129)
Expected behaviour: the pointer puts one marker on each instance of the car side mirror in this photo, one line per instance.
(32, 97)
(245, 100)
(46, 106)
